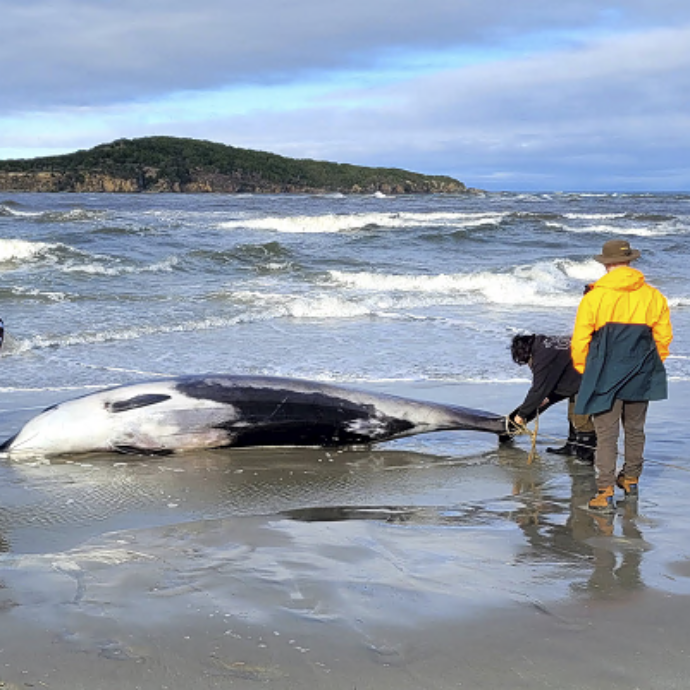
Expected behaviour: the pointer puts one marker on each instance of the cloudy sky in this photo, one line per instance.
(503, 95)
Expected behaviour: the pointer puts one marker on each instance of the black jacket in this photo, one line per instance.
(553, 374)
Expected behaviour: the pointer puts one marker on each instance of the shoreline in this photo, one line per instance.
(439, 561)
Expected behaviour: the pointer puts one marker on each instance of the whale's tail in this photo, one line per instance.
(469, 419)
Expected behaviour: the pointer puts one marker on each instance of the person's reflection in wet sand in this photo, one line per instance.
(612, 544)
(616, 557)
(535, 516)
(615, 540)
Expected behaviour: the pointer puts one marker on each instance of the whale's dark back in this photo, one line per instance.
(279, 411)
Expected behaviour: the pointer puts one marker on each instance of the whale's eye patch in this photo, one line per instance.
(136, 402)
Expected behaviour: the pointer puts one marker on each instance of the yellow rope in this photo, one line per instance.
(533, 434)
(526, 431)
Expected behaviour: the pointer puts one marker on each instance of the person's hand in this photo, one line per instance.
(516, 423)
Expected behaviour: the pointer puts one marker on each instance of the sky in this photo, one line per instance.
(536, 95)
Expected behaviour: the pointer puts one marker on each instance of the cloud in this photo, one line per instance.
(611, 114)
(80, 52)
(575, 94)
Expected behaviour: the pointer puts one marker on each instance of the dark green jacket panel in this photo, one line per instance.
(623, 363)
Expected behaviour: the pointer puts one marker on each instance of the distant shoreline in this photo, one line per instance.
(175, 165)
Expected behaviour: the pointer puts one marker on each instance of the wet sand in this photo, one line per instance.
(436, 562)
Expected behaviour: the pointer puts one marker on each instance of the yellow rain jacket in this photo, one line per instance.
(621, 296)
(620, 340)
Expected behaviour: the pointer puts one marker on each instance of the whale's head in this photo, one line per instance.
(150, 418)
(75, 426)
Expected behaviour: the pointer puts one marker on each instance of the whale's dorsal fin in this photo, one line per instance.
(136, 402)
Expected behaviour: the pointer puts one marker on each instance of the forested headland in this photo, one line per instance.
(171, 164)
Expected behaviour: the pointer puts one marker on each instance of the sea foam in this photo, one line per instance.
(21, 250)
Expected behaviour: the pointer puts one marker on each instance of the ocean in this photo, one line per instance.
(368, 568)
(104, 289)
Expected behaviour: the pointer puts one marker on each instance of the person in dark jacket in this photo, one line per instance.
(620, 341)
(553, 379)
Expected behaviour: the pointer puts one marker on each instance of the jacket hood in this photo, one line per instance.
(623, 278)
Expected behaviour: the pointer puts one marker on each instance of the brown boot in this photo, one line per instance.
(603, 501)
(628, 484)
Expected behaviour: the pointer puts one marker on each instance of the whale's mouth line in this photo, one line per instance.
(10, 444)
(22, 452)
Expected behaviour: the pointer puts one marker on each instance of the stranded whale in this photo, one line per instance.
(217, 411)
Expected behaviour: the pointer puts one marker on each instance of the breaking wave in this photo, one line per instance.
(548, 284)
(14, 250)
(334, 223)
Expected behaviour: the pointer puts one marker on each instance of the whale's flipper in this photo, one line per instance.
(136, 402)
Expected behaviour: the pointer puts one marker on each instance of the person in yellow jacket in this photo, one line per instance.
(620, 341)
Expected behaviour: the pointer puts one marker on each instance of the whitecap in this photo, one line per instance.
(587, 271)
(35, 293)
(21, 250)
(320, 306)
(12, 209)
(541, 284)
(659, 229)
(41, 341)
(164, 266)
(72, 215)
(333, 223)
(594, 216)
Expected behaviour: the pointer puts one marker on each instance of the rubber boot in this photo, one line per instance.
(569, 448)
(586, 445)
(603, 501)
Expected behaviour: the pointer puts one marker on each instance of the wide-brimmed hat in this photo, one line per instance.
(617, 252)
